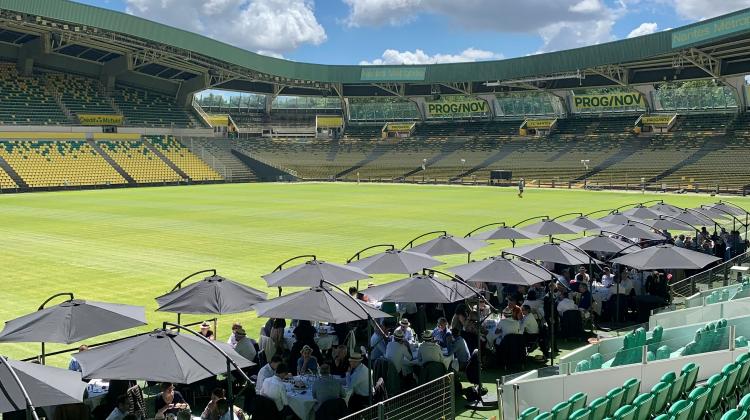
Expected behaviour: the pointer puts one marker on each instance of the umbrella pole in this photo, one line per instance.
(230, 393)
(43, 354)
(29, 404)
(369, 360)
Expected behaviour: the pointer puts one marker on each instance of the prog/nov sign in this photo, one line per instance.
(708, 30)
(613, 100)
(457, 107)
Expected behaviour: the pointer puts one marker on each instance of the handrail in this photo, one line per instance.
(723, 266)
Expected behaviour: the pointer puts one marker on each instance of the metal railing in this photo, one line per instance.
(717, 274)
(433, 400)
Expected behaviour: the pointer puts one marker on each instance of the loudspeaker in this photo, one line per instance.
(501, 175)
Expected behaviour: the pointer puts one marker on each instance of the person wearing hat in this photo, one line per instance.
(405, 327)
(357, 380)
(429, 351)
(244, 346)
(306, 362)
(399, 353)
(206, 331)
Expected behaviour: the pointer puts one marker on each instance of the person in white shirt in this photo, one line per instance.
(244, 346)
(274, 388)
(232, 341)
(377, 344)
(506, 326)
(582, 276)
(405, 326)
(529, 324)
(429, 351)
(268, 371)
(398, 353)
(222, 406)
(608, 279)
(123, 406)
(357, 381)
(566, 304)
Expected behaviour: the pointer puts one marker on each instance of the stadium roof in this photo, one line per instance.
(133, 47)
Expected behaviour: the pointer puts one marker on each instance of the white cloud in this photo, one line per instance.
(273, 26)
(645, 28)
(270, 54)
(561, 23)
(418, 56)
(704, 9)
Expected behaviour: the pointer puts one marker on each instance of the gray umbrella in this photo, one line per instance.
(695, 219)
(501, 270)
(668, 224)
(632, 230)
(319, 303)
(552, 227)
(310, 273)
(212, 295)
(448, 245)
(558, 253)
(420, 289)
(505, 232)
(726, 208)
(710, 212)
(395, 261)
(72, 321)
(588, 223)
(45, 386)
(666, 209)
(642, 213)
(666, 257)
(603, 243)
(616, 219)
(161, 355)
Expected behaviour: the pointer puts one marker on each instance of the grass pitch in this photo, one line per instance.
(131, 245)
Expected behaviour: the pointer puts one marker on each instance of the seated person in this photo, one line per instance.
(507, 325)
(429, 351)
(584, 302)
(123, 406)
(441, 332)
(458, 348)
(211, 411)
(274, 389)
(565, 303)
(340, 362)
(245, 346)
(377, 344)
(399, 353)
(222, 408)
(326, 387)
(405, 326)
(267, 371)
(206, 331)
(169, 401)
(307, 362)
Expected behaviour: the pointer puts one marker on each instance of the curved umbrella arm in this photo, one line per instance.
(411, 243)
(716, 224)
(56, 296)
(484, 226)
(281, 266)
(459, 280)
(568, 214)
(642, 203)
(530, 219)
(734, 217)
(179, 284)
(734, 205)
(637, 204)
(30, 405)
(634, 244)
(359, 253)
(361, 306)
(622, 237)
(577, 248)
(679, 220)
(553, 276)
(609, 211)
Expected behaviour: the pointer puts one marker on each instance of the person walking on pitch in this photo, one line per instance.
(521, 185)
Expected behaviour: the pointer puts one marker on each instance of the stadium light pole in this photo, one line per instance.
(179, 286)
(14, 376)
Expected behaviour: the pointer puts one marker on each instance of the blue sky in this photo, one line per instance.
(419, 31)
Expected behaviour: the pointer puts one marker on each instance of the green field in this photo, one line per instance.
(131, 245)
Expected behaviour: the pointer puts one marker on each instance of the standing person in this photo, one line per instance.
(521, 186)
(74, 365)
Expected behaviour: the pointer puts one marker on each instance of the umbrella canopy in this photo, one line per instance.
(665, 208)
(695, 219)
(588, 223)
(318, 304)
(552, 227)
(710, 212)
(212, 295)
(668, 224)
(631, 230)
(311, 273)
(420, 289)
(641, 212)
(72, 321)
(616, 219)
(603, 243)
(448, 245)
(666, 257)
(161, 355)
(395, 261)
(558, 253)
(501, 270)
(726, 208)
(505, 232)
(46, 386)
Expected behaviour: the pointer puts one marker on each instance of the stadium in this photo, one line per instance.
(555, 236)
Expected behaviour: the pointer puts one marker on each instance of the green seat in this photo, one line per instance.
(668, 377)
(615, 397)
(731, 371)
(661, 394)
(598, 408)
(699, 397)
(662, 417)
(529, 413)
(561, 411)
(583, 366)
(690, 371)
(744, 403)
(662, 353)
(677, 387)
(734, 414)
(577, 401)
(626, 412)
(544, 416)
(580, 414)
(643, 404)
(681, 410)
(632, 387)
(742, 380)
(716, 382)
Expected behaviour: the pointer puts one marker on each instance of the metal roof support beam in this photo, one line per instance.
(464, 87)
(561, 107)
(617, 74)
(113, 68)
(189, 87)
(396, 89)
(648, 93)
(32, 50)
(704, 61)
(737, 83)
(338, 89)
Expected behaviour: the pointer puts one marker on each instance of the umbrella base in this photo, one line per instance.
(488, 401)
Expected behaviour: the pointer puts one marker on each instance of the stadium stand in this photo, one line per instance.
(80, 95)
(25, 101)
(56, 163)
(6, 181)
(151, 109)
(138, 161)
(186, 160)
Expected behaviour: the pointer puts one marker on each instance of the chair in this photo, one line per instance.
(632, 386)
(571, 325)
(598, 408)
(699, 397)
(668, 377)
(734, 414)
(615, 397)
(626, 412)
(577, 401)
(681, 410)
(430, 371)
(511, 352)
(660, 392)
(742, 380)
(731, 371)
(561, 411)
(677, 388)
(544, 416)
(744, 403)
(690, 371)
(580, 414)
(332, 410)
(643, 404)
(716, 382)
(265, 408)
(529, 413)
(596, 361)
(663, 417)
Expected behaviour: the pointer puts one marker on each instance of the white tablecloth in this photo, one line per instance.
(324, 341)
(302, 401)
